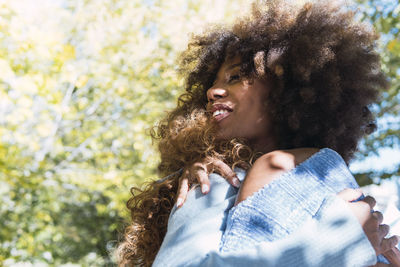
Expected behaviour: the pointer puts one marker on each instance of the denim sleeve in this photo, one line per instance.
(194, 234)
(196, 228)
(336, 239)
(280, 207)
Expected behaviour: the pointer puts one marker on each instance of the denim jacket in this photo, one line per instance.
(296, 220)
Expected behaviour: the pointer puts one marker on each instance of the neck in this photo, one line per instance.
(264, 145)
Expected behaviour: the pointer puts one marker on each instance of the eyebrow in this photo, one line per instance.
(230, 67)
(233, 66)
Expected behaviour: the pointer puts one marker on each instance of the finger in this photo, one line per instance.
(393, 256)
(182, 192)
(202, 177)
(378, 215)
(381, 264)
(383, 230)
(199, 172)
(350, 194)
(389, 243)
(226, 172)
(370, 200)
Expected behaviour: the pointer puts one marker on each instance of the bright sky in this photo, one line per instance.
(387, 159)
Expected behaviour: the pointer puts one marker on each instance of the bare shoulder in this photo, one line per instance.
(288, 159)
(270, 166)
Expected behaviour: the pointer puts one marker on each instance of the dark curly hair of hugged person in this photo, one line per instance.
(324, 70)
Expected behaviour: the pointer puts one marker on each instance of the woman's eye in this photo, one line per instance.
(234, 78)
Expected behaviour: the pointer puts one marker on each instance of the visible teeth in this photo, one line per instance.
(220, 111)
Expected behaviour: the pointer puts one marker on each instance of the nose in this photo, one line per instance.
(216, 93)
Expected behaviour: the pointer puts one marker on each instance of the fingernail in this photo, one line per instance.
(236, 182)
(179, 202)
(204, 188)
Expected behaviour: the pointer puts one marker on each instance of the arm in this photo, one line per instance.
(281, 207)
(195, 230)
(336, 240)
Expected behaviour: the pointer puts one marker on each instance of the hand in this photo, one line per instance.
(393, 256)
(371, 224)
(199, 172)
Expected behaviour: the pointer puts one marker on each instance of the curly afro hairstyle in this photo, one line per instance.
(323, 65)
(325, 73)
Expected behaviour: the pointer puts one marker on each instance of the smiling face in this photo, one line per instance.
(237, 106)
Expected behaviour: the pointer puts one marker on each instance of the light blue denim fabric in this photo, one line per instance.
(279, 207)
(330, 234)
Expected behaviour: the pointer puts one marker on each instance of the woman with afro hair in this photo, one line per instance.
(281, 97)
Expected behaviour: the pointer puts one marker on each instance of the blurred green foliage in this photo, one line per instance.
(81, 83)
(385, 16)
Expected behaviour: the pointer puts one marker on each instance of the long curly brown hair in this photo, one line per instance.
(325, 73)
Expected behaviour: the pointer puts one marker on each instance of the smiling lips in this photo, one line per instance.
(220, 111)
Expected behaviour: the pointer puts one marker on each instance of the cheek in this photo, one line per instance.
(256, 107)
(259, 115)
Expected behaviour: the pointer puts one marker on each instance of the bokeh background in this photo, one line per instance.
(82, 82)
